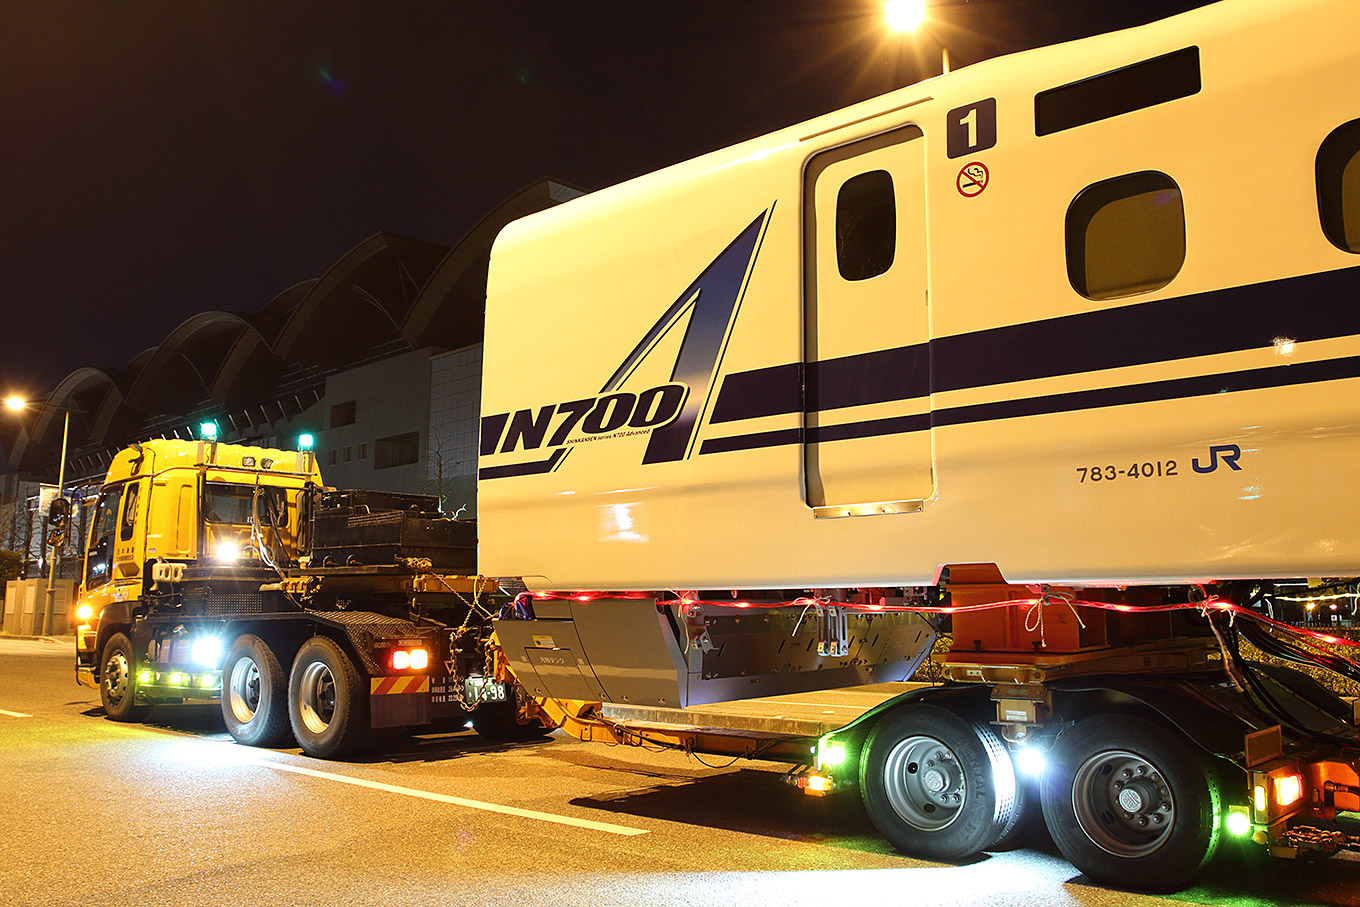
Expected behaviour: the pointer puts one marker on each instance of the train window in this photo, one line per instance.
(1125, 235)
(866, 225)
(1146, 84)
(1338, 186)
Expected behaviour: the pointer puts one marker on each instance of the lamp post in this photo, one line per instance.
(54, 556)
(908, 16)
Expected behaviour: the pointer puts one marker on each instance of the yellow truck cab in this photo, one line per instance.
(167, 502)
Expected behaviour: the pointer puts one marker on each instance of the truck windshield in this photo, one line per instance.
(228, 503)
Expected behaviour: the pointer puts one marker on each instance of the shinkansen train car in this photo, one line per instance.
(1065, 345)
(1086, 313)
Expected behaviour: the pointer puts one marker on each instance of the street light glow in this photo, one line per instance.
(15, 403)
(905, 15)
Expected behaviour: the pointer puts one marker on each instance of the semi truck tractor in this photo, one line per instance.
(1054, 357)
(227, 573)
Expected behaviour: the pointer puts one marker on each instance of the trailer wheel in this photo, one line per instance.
(255, 694)
(1025, 817)
(1129, 803)
(327, 704)
(118, 681)
(937, 786)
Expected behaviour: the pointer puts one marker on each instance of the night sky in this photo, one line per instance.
(165, 158)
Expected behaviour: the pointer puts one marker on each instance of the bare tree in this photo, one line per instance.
(447, 481)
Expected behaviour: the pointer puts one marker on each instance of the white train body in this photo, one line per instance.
(683, 389)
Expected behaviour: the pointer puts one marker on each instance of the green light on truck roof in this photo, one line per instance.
(208, 431)
(305, 442)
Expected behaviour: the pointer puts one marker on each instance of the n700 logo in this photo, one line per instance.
(605, 414)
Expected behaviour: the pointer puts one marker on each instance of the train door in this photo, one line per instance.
(866, 384)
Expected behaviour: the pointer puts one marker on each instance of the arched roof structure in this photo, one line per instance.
(182, 369)
(251, 364)
(366, 292)
(451, 306)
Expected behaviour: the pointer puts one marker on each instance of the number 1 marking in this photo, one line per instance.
(970, 120)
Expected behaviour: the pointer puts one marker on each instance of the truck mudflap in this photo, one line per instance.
(643, 652)
(398, 701)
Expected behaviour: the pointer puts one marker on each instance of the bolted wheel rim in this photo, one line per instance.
(1123, 803)
(924, 783)
(117, 677)
(316, 697)
(243, 689)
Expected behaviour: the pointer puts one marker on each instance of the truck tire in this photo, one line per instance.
(118, 680)
(327, 700)
(1130, 802)
(936, 785)
(255, 694)
(500, 721)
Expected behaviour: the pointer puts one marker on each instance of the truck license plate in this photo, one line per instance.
(480, 689)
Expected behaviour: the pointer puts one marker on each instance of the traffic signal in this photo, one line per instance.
(58, 522)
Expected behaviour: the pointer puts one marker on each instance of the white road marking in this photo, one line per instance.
(457, 801)
(14, 714)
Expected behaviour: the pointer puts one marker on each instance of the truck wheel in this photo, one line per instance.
(500, 721)
(255, 694)
(327, 703)
(118, 681)
(935, 785)
(1129, 803)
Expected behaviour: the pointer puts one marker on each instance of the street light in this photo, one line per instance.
(17, 404)
(908, 16)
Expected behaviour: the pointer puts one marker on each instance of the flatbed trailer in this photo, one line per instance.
(1145, 721)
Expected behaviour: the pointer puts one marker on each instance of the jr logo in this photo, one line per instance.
(673, 409)
(1228, 453)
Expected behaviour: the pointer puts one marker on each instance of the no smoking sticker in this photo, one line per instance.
(973, 179)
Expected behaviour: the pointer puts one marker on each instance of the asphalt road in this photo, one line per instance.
(174, 812)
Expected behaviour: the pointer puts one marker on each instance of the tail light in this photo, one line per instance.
(410, 659)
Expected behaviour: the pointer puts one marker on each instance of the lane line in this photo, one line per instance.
(457, 801)
(14, 714)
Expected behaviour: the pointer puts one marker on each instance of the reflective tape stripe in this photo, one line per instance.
(409, 683)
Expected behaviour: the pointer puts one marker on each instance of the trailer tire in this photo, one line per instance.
(500, 721)
(118, 680)
(936, 785)
(1025, 817)
(1129, 803)
(327, 701)
(255, 694)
